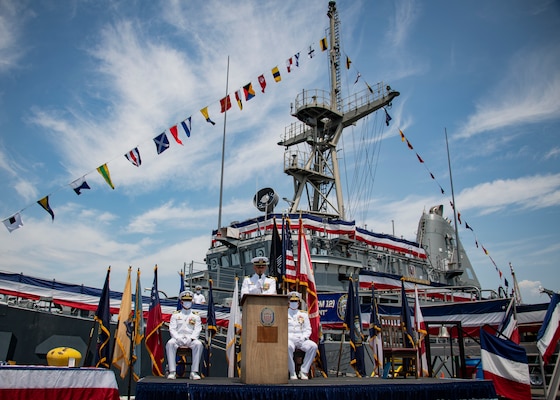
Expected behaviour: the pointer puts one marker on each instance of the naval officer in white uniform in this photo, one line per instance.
(299, 331)
(185, 327)
(258, 283)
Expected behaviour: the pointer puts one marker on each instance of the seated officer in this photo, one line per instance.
(299, 331)
(258, 283)
(185, 327)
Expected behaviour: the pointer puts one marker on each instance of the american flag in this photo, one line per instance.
(288, 250)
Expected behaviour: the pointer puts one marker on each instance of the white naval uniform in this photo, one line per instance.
(255, 285)
(299, 330)
(198, 298)
(185, 327)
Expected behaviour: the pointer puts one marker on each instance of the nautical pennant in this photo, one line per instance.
(204, 113)
(249, 92)
(186, 124)
(262, 82)
(323, 43)
(225, 104)
(13, 223)
(348, 62)
(296, 56)
(289, 63)
(238, 98)
(104, 171)
(175, 134)
(134, 157)
(311, 52)
(162, 143)
(44, 202)
(79, 184)
(276, 74)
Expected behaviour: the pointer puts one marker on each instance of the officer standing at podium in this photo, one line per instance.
(299, 331)
(184, 327)
(258, 283)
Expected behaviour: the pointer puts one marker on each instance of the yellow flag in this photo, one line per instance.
(104, 171)
(121, 356)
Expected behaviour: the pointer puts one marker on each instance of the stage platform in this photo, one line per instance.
(153, 388)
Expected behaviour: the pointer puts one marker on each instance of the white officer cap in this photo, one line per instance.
(260, 261)
(186, 295)
(295, 296)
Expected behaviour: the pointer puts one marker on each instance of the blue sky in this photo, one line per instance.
(84, 82)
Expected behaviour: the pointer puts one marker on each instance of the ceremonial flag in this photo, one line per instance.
(387, 117)
(175, 134)
(421, 332)
(154, 341)
(44, 202)
(375, 341)
(262, 82)
(249, 92)
(353, 323)
(104, 171)
(234, 324)
(288, 263)
(508, 327)
(276, 74)
(161, 142)
(204, 113)
(13, 223)
(79, 184)
(134, 157)
(406, 315)
(225, 104)
(323, 44)
(103, 318)
(125, 326)
(549, 334)
(306, 278)
(186, 124)
(506, 364)
(275, 256)
(211, 330)
(238, 98)
(181, 289)
(321, 357)
(289, 63)
(138, 328)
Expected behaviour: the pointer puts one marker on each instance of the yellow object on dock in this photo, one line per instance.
(64, 357)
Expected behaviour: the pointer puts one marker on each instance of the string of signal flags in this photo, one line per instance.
(467, 226)
(162, 142)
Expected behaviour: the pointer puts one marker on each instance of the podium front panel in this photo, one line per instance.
(264, 339)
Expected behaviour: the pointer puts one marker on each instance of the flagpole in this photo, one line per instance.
(223, 153)
(454, 205)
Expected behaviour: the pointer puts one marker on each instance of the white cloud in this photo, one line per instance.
(529, 92)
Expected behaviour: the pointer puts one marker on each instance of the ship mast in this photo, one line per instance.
(322, 116)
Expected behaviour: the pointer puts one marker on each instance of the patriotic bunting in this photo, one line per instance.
(79, 184)
(262, 82)
(162, 143)
(175, 134)
(44, 202)
(204, 113)
(134, 157)
(104, 171)
(186, 124)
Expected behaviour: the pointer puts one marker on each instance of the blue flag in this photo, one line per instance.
(211, 330)
(181, 289)
(275, 256)
(162, 143)
(103, 318)
(353, 322)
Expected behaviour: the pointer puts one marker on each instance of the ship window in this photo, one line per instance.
(247, 257)
(213, 263)
(260, 252)
(225, 261)
(235, 259)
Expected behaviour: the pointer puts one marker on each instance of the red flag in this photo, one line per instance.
(306, 278)
(225, 103)
(420, 326)
(154, 341)
(175, 134)
(262, 81)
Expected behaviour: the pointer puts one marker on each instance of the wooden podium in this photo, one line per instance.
(264, 339)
